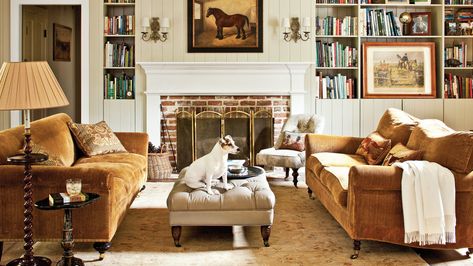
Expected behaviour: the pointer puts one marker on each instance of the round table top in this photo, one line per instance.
(44, 203)
(22, 159)
(253, 171)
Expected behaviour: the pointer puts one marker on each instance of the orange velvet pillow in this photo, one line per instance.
(293, 141)
(400, 153)
(374, 148)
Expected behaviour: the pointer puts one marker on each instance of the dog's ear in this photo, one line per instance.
(222, 141)
(228, 138)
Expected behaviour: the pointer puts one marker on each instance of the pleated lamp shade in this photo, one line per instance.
(29, 85)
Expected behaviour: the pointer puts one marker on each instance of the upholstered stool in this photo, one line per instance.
(249, 203)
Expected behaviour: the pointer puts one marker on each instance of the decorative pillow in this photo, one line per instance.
(293, 141)
(96, 139)
(400, 153)
(374, 148)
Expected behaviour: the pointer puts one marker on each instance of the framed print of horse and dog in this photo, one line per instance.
(399, 69)
(225, 26)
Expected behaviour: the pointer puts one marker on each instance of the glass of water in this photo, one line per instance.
(73, 186)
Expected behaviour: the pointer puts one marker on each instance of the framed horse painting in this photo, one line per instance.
(399, 70)
(225, 26)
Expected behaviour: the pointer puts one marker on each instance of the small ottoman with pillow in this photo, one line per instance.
(249, 203)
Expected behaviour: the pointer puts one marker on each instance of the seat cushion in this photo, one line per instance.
(316, 162)
(249, 194)
(281, 158)
(396, 125)
(335, 179)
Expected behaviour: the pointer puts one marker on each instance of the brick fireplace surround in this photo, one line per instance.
(278, 105)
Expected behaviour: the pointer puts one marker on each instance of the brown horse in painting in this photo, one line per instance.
(223, 20)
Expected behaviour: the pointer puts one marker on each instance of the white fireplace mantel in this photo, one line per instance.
(211, 78)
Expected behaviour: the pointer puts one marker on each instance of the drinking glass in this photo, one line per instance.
(73, 186)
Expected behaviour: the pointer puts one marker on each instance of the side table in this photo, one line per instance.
(67, 243)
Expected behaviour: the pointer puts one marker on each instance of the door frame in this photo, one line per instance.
(16, 46)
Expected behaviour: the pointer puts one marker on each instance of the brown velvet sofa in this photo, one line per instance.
(116, 177)
(366, 199)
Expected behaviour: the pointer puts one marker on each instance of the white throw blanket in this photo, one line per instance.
(428, 203)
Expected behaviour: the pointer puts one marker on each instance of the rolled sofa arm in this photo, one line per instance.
(134, 142)
(326, 143)
(374, 177)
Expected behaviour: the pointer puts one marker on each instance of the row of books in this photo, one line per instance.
(458, 87)
(379, 22)
(119, 55)
(335, 1)
(456, 56)
(119, 25)
(335, 55)
(119, 87)
(458, 2)
(120, 1)
(346, 26)
(335, 87)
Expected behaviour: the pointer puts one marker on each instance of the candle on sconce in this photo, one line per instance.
(286, 24)
(165, 24)
(306, 22)
(145, 23)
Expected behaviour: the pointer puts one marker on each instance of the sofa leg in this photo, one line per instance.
(309, 191)
(287, 172)
(468, 252)
(356, 249)
(1, 250)
(295, 174)
(265, 233)
(176, 235)
(102, 247)
(142, 188)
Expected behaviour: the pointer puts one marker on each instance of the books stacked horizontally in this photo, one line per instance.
(335, 1)
(119, 55)
(347, 26)
(334, 55)
(379, 22)
(119, 87)
(458, 2)
(456, 56)
(119, 25)
(64, 198)
(335, 87)
(458, 87)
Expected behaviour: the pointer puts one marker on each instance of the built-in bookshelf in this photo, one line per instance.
(119, 84)
(119, 50)
(454, 79)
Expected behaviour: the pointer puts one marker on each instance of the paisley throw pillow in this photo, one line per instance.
(374, 148)
(293, 141)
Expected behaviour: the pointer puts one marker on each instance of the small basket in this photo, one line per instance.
(159, 166)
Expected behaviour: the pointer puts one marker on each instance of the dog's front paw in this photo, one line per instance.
(210, 192)
(227, 187)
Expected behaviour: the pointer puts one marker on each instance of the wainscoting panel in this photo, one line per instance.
(342, 117)
(424, 108)
(372, 110)
(458, 113)
(120, 115)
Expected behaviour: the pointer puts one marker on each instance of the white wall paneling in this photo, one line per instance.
(342, 117)
(120, 115)
(372, 110)
(424, 108)
(458, 113)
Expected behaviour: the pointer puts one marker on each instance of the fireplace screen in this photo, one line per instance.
(197, 133)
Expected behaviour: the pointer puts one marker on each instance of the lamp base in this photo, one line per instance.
(37, 261)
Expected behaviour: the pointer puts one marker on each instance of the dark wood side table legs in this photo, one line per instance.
(67, 243)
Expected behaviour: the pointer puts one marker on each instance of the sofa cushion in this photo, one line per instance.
(396, 125)
(132, 159)
(281, 158)
(335, 179)
(401, 153)
(374, 148)
(443, 145)
(317, 161)
(96, 139)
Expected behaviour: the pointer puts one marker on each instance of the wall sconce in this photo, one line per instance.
(292, 29)
(159, 31)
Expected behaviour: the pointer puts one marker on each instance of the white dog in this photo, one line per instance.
(211, 166)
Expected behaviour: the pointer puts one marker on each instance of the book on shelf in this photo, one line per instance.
(346, 26)
(119, 86)
(119, 25)
(458, 2)
(379, 22)
(456, 56)
(456, 87)
(335, 1)
(64, 198)
(119, 55)
(335, 87)
(335, 54)
(119, 1)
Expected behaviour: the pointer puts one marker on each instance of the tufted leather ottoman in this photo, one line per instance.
(250, 202)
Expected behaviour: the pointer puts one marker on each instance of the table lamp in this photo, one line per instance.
(26, 86)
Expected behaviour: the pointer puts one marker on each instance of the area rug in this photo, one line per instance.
(304, 233)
